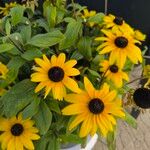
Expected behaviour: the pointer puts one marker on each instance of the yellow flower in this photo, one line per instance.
(139, 35)
(114, 73)
(87, 14)
(3, 71)
(2, 91)
(96, 109)
(116, 23)
(5, 10)
(54, 74)
(121, 45)
(17, 133)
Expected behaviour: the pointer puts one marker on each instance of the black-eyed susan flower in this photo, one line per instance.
(116, 23)
(5, 10)
(120, 46)
(17, 134)
(96, 109)
(141, 97)
(87, 14)
(139, 35)
(114, 73)
(54, 74)
(3, 71)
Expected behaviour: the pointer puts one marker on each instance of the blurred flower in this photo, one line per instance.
(114, 73)
(116, 23)
(139, 35)
(2, 91)
(54, 74)
(3, 71)
(87, 14)
(141, 97)
(17, 134)
(5, 10)
(96, 109)
(120, 46)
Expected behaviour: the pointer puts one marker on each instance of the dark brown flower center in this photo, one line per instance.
(118, 20)
(56, 74)
(141, 97)
(96, 106)
(121, 42)
(113, 68)
(17, 129)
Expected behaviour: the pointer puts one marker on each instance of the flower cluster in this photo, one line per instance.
(64, 73)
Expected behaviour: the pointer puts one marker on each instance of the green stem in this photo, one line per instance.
(12, 41)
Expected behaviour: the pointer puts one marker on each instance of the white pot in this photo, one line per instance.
(90, 144)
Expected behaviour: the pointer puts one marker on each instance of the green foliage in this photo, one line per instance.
(47, 39)
(43, 118)
(84, 47)
(16, 15)
(111, 140)
(6, 47)
(71, 35)
(18, 97)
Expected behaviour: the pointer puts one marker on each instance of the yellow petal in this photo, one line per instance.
(53, 60)
(69, 64)
(72, 72)
(71, 84)
(61, 59)
(94, 126)
(11, 144)
(42, 63)
(77, 98)
(40, 86)
(59, 91)
(74, 109)
(19, 145)
(26, 142)
(86, 127)
(77, 120)
(89, 87)
(47, 91)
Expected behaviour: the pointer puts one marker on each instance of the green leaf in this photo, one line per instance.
(111, 140)
(71, 34)
(17, 14)
(18, 97)
(84, 47)
(54, 143)
(43, 118)
(49, 11)
(31, 109)
(76, 55)
(47, 40)
(26, 33)
(98, 18)
(71, 138)
(130, 120)
(94, 73)
(54, 106)
(8, 27)
(31, 54)
(6, 47)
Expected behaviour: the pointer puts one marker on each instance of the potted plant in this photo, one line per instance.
(64, 71)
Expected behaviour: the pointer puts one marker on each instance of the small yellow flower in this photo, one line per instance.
(120, 45)
(96, 109)
(139, 35)
(17, 134)
(116, 23)
(55, 74)
(3, 71)
(87, 14)
(114, 73)
(5, 10)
